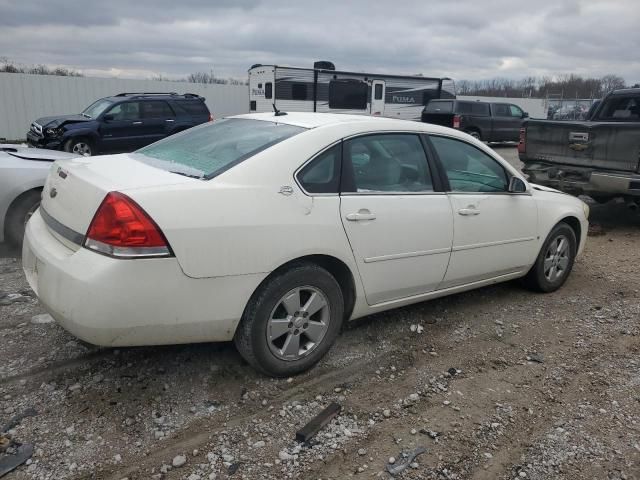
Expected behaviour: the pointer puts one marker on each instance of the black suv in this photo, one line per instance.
(487, 121)
(122, 123)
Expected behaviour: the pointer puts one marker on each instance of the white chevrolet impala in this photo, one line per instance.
(273, 230)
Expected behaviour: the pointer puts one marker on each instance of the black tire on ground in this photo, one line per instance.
(81, 146)
(18, 215)
(251, 335)
(538, 279)
(474, 134)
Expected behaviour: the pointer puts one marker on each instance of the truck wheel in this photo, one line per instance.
(555, 260)
(19, 214)
(474, 133)
(291, 321)
(80, 146)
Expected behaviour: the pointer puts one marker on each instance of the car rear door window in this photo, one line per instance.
(468, 168)
(322, 174)
(387, 163)
(156, 109)
(501, 110)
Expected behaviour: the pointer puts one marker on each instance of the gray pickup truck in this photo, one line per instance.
(599, 157)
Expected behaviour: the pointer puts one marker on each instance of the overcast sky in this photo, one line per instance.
(474, 39)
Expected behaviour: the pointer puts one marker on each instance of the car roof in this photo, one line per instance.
(367, 122)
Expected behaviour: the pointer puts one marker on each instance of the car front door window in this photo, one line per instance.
(129, 111)
(468, 168)
(516, 111)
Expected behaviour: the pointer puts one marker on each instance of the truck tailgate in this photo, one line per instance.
(602, 145)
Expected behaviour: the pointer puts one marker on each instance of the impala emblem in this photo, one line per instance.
(53, 192)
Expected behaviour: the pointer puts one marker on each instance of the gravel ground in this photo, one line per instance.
(498, 383)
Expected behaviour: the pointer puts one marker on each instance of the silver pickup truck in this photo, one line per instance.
(599, 157)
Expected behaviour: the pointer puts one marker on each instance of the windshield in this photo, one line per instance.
(210, 149)
(96, 108)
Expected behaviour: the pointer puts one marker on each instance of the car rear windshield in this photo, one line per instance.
(439, 107)
(208, 150)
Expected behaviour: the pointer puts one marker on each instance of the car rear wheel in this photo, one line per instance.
(18, 216)
(79, 146)
(474, 134)
(292, 320)
(555, 260)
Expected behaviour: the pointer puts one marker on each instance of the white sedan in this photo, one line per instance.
(272, 230)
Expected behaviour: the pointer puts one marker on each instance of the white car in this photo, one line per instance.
(23, 172)
(274, 229)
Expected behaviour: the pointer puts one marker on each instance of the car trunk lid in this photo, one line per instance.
(75, 188)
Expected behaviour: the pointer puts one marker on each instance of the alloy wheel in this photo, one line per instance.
(82, 148)
(298, 323)
(556, 259)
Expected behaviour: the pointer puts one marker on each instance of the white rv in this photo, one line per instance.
(324, 89)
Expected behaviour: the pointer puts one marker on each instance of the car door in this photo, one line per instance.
(494, 230)
(502, 120)
(513, 132)
(397, 219)
(377, 97)
(158, 120)
(121, 128)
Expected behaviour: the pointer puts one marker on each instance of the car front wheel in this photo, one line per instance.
(79, 146)
(555, 260)
(291, 321)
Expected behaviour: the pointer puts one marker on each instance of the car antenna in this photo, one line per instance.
(278, 113)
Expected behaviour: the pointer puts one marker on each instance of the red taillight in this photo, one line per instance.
(121, 228)
(210, 118)
(522, 143)
(456, 121)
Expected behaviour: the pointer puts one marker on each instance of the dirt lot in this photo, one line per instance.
(501, 384)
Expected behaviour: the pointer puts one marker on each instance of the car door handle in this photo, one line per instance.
(468, 211)
(136, 123)
(360, 216)
(169, 120)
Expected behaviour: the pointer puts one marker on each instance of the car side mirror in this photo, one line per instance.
(525, 114)
(108, 117)
(517, 185)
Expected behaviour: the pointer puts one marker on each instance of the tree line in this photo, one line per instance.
(562, 86)
(8, 66)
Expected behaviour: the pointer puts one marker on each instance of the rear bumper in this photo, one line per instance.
(583, 180)
(111, 302)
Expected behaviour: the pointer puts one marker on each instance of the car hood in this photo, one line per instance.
(19, 152)
(58, 120)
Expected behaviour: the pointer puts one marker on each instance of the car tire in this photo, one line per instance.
(19, 214)
(80, 146)
(274, 329)
(555, 260)
(475, 134)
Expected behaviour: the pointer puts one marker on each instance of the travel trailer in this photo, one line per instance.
(325, 89)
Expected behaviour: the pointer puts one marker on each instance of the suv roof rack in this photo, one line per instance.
(126, 94)
(153, 94)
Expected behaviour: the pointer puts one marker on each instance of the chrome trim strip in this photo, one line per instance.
(61, 229)
(126, 252)
(493, 244)
(396, 256)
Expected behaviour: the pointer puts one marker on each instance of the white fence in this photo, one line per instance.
(24, 97)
